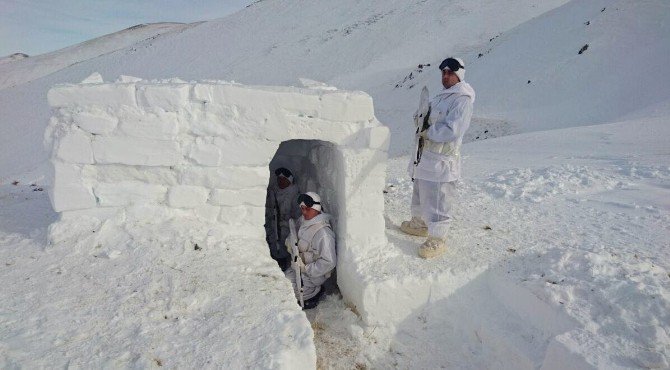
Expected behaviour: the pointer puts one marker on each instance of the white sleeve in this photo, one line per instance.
(452, 126)
(324, 245)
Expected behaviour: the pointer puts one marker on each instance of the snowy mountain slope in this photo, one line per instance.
(16, 71)
(357, 45)
(621, 73)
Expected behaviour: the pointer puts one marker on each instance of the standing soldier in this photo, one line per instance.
(439, 167)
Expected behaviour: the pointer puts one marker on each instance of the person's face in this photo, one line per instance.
(449, 78)
(308, 213)
(283, 182)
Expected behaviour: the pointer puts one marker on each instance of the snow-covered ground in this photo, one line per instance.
(560, 250)
(561, 240)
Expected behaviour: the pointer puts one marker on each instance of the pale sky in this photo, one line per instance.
(39, 26)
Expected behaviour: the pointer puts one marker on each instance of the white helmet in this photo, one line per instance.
(310, 200)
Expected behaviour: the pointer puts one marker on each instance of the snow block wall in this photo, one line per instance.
(203, 150)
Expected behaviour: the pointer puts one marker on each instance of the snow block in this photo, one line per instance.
(68, 192)
(231, 198)
(128, 193)
(365, 226)
(118, 173)
(366, 170)
(185, 196)
(347, 106)
(95, 122)
(160, 126)
(136, 151)
(75, 147)
(101, 95)
(379, 138)
(146, 213)
(101, 213)
(212, 119)
(226, 178)
(205, 153)
(207, 212)
(258, 112)
(246, 152)
(242, 215)
(169, 97)
(319, 129)
(265, 100)
(93, 78)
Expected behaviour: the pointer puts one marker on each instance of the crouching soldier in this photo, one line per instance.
(316, 244)
(280, 206)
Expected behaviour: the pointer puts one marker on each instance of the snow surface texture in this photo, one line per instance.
(577, 217)
(558, 259)
(142, 154)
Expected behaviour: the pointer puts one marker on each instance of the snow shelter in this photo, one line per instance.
(204, 150)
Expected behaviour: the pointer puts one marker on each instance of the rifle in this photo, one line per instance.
(421, 121)
(277, 227)
(295, 254)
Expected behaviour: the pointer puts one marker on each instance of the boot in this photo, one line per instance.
(415, 226)
(314, 301)
(432, 247)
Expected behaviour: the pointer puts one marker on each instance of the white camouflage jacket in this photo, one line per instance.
(451, 111)
(316, 243)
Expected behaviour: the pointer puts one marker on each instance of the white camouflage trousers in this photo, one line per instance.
(310, 286)
(432, 201)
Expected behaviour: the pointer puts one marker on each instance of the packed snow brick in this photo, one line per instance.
(245, 152)
(378, 138)
(225, 197)
(116, 173)
(97, 122)
(136, 151)
(170, 97)
(242, 215)
(207, 212)
(159, 126)
(68, 192)
(184, 196)
(205, 153)
(100, 95)
(127, 193)
(75, 147)
(351, 107)
(225, 177)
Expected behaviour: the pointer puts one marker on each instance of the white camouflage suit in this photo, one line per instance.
(284, 203)
(316, 243)
(440, 166)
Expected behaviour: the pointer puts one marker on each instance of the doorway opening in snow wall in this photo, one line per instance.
(315, 166)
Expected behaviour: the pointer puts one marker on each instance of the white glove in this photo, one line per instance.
(289, 247)
(301, 265)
